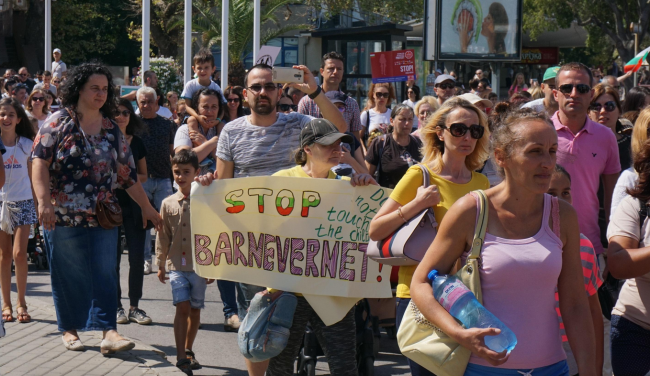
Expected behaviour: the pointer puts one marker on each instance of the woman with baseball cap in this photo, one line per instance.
(320, 150)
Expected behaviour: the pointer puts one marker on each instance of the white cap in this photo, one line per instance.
(56, 50)
(474, 99)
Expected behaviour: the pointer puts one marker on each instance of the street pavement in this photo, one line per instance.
(36, 348)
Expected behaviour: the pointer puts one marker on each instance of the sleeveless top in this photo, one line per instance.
(518, 280)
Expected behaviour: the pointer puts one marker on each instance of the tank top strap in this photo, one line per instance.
(555, 215)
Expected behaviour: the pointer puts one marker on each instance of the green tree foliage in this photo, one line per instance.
(607, 21)
(395, 10)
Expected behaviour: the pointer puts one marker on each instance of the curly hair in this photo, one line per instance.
(433, 148)
(24, 126)
(78, 77)
(135, 123)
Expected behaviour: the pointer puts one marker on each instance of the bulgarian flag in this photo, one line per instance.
(634, 64)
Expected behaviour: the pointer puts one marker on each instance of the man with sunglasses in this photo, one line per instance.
(445, 87)
(332, 70)
(548, 103)
(586, 149)
(23, 75)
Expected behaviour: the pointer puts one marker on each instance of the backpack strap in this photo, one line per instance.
(381, 152)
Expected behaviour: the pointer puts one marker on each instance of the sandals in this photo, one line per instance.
(194, 364)
(23, 317)
(185, 365)
(7, 317)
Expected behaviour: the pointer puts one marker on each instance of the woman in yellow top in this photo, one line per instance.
(320, 150)
(456, 142)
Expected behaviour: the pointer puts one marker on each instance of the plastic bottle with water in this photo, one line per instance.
(461, 303)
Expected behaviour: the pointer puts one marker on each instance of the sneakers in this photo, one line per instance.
(147, 267)
(121, 316)
(139, 316)
(231, 324)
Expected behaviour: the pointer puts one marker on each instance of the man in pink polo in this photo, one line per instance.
(586, 149)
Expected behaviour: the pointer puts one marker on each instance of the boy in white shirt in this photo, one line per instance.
(203, 68)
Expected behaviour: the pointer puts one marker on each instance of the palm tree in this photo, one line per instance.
(240, 38)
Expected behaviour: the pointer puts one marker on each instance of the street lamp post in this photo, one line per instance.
(225, 17)
(256, 30)
(187, 43)
(48, 34)
(146, 19)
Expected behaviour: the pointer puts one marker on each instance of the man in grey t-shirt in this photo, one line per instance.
(262, 143)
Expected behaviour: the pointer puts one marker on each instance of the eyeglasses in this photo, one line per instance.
(609, 106)
(568, 88)
(124, 113)
(38, 99)
(341, 109)
(287, 107)
(23, 75)
(425, 113)
(233, 100)
(56, 82)
(446, 86)
(257, 88)
(459, 130)
(381, 95)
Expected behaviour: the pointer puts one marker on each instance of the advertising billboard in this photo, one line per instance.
(473, 30)
(392, 66)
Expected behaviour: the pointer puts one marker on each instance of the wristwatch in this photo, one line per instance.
(315, 94)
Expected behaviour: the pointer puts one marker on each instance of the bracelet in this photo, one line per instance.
(315, 94)
(399, 212)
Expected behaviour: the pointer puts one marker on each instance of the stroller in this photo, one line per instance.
(36, 252)
(367, 340)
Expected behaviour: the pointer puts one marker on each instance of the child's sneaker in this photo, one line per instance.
(194, 364)
(185, 365)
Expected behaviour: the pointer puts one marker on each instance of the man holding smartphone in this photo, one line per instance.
(332, 70)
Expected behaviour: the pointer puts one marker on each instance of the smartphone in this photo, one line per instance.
(285, 75)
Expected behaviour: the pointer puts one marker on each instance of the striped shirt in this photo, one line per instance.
(261, 151)
(307, 106)
(589, 272)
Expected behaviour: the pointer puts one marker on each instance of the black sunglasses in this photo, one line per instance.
(286, 107)
(459, 130)
(446, 86)
(381, 95)
(38, 99)
(124, 113)
(257, 88)
(609, 106)
(234, 100)
(568, 88)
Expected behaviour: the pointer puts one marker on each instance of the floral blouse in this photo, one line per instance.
(82, 173)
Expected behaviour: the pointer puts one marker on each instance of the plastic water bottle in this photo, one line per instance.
(461, 303)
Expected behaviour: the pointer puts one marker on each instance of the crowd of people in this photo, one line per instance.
(565, 170)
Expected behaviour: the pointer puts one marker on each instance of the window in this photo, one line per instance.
(287, 57)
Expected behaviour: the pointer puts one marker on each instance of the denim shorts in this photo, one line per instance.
(188, 286)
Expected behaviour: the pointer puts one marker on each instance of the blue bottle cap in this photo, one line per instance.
(432, 275)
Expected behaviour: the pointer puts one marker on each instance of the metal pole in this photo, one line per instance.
(225, 17)
(636, 51)
(187, 43)
(48, 35)
(146, 19)
(256, 30)
(496, 85)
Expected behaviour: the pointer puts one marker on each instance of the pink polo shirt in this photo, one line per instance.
(587, 155)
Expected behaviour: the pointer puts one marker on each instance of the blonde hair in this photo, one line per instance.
(433, 148)
(29, 107)
(431, 100)
(640, 131)
(370, 103)
(536, 92)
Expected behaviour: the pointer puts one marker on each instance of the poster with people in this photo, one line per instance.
(476, 29)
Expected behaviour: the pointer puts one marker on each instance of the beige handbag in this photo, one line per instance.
(424, 343)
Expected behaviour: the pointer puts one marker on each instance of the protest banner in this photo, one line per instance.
(306, 236)
(392, 66)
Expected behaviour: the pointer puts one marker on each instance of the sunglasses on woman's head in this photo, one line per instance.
(381, 95)
(459, 130)
(38, 99)
(568, 88)
(124, 113)
(609, 106)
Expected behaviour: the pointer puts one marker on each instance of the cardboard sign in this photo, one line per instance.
(301, 235)
(392, 66)
(267, 55)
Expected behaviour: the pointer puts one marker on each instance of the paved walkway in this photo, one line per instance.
(36, 349)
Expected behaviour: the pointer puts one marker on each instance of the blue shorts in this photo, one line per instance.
(558, 369)
(188, 286)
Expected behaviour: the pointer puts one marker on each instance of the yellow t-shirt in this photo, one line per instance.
(450, 192)
(298, 172)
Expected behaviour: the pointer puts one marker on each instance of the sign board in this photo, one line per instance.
(267, 55)
(124, 90)
(392, 66)
(300, 235)
(540, 55)
(474, 30)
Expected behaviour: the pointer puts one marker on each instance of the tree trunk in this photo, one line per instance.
(166, 42)
(236, 73)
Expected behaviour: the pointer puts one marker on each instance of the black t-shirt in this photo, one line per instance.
(158, 137)
(395, 159)
(138, 151)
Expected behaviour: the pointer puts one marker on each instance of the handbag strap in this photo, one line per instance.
(426, 181)
(481, 226)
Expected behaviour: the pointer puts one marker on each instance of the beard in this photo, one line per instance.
(263, 108)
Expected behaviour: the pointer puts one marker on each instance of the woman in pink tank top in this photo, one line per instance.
(522, 260)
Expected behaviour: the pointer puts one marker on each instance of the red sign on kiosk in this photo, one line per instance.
(392, 66)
